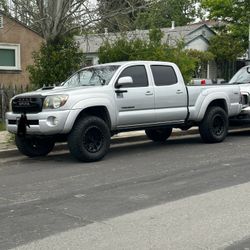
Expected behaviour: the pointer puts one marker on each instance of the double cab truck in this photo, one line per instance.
(99, 101)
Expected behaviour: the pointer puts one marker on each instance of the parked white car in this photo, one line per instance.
(242, 77)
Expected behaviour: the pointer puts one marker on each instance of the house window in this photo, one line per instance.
(9, 56)
(1, 22)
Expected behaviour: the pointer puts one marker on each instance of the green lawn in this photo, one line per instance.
(2, 126)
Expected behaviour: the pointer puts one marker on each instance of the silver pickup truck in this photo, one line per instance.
(99, 101)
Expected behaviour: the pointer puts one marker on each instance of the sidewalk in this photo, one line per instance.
(212, 220)
(6, 141)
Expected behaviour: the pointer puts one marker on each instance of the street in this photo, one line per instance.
(198, 192)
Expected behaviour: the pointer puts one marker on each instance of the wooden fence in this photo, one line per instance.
(6, 93)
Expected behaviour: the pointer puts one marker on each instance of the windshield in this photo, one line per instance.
(242, 76)
(94, 76)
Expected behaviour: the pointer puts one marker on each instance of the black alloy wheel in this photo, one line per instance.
(93, 139)
(89, 139)
(218, 125)
(214, 126)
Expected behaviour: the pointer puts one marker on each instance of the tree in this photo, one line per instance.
(162, 12)
(232, 39)
(138, 49)
(56, 21)
(125, 12)
(4, 6)
(55, 62)
(234, 13)
(53, 18)
(201, 59)
(226, 48)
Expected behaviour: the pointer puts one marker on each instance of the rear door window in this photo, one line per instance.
(163, 75)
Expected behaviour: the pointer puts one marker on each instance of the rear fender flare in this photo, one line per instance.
(219, 96)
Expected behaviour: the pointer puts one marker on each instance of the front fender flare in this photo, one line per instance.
(88, 103)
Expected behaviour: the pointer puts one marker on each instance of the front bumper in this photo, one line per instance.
(43, 123)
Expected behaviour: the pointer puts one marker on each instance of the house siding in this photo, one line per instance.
(29, 41)
(195, 36)
(204, 31)
(198, 44)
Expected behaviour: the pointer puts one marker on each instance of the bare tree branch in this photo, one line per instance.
(53, 18)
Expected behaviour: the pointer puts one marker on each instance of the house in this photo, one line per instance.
(195, 36)
(17, 43)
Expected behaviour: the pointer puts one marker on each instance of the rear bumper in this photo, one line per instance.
(245, 111)
(243, 115)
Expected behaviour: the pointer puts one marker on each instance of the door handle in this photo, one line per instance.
(119, 91)
(179, 91)
(149, 93)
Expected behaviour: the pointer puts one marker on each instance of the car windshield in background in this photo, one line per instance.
(242, 76)
(94, 76)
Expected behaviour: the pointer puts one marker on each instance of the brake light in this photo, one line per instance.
(203, 82)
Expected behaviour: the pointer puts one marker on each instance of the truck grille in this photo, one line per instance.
(32, 104)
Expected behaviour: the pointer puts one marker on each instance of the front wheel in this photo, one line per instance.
(214, 126)
(33, 146)
(89, 139)
(158, 134)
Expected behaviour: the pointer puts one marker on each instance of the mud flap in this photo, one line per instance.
(22, 125)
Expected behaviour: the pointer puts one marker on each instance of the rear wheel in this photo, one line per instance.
(158, 134)
(89, 139)
(214, 126)
(33, 146)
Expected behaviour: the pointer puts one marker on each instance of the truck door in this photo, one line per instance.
(170, 95)
(135, 102)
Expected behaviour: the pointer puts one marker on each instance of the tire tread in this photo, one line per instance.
(75, 139)
(205, 128)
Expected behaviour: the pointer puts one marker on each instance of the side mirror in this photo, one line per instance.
(124, 81)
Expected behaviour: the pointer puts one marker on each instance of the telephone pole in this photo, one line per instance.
(248, 59)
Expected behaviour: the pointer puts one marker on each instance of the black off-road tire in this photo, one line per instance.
(33, 146)
(158, 134)
(89, 139)
(214, 126)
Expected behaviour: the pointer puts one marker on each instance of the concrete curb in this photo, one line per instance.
(122, 138)
(125, 137)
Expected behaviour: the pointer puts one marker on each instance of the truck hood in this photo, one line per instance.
(63, 90)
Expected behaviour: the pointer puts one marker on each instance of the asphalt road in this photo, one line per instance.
(40, 198)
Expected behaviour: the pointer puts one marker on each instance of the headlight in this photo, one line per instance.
(54, 101)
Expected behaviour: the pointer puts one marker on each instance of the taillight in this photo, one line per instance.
(203, 82)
